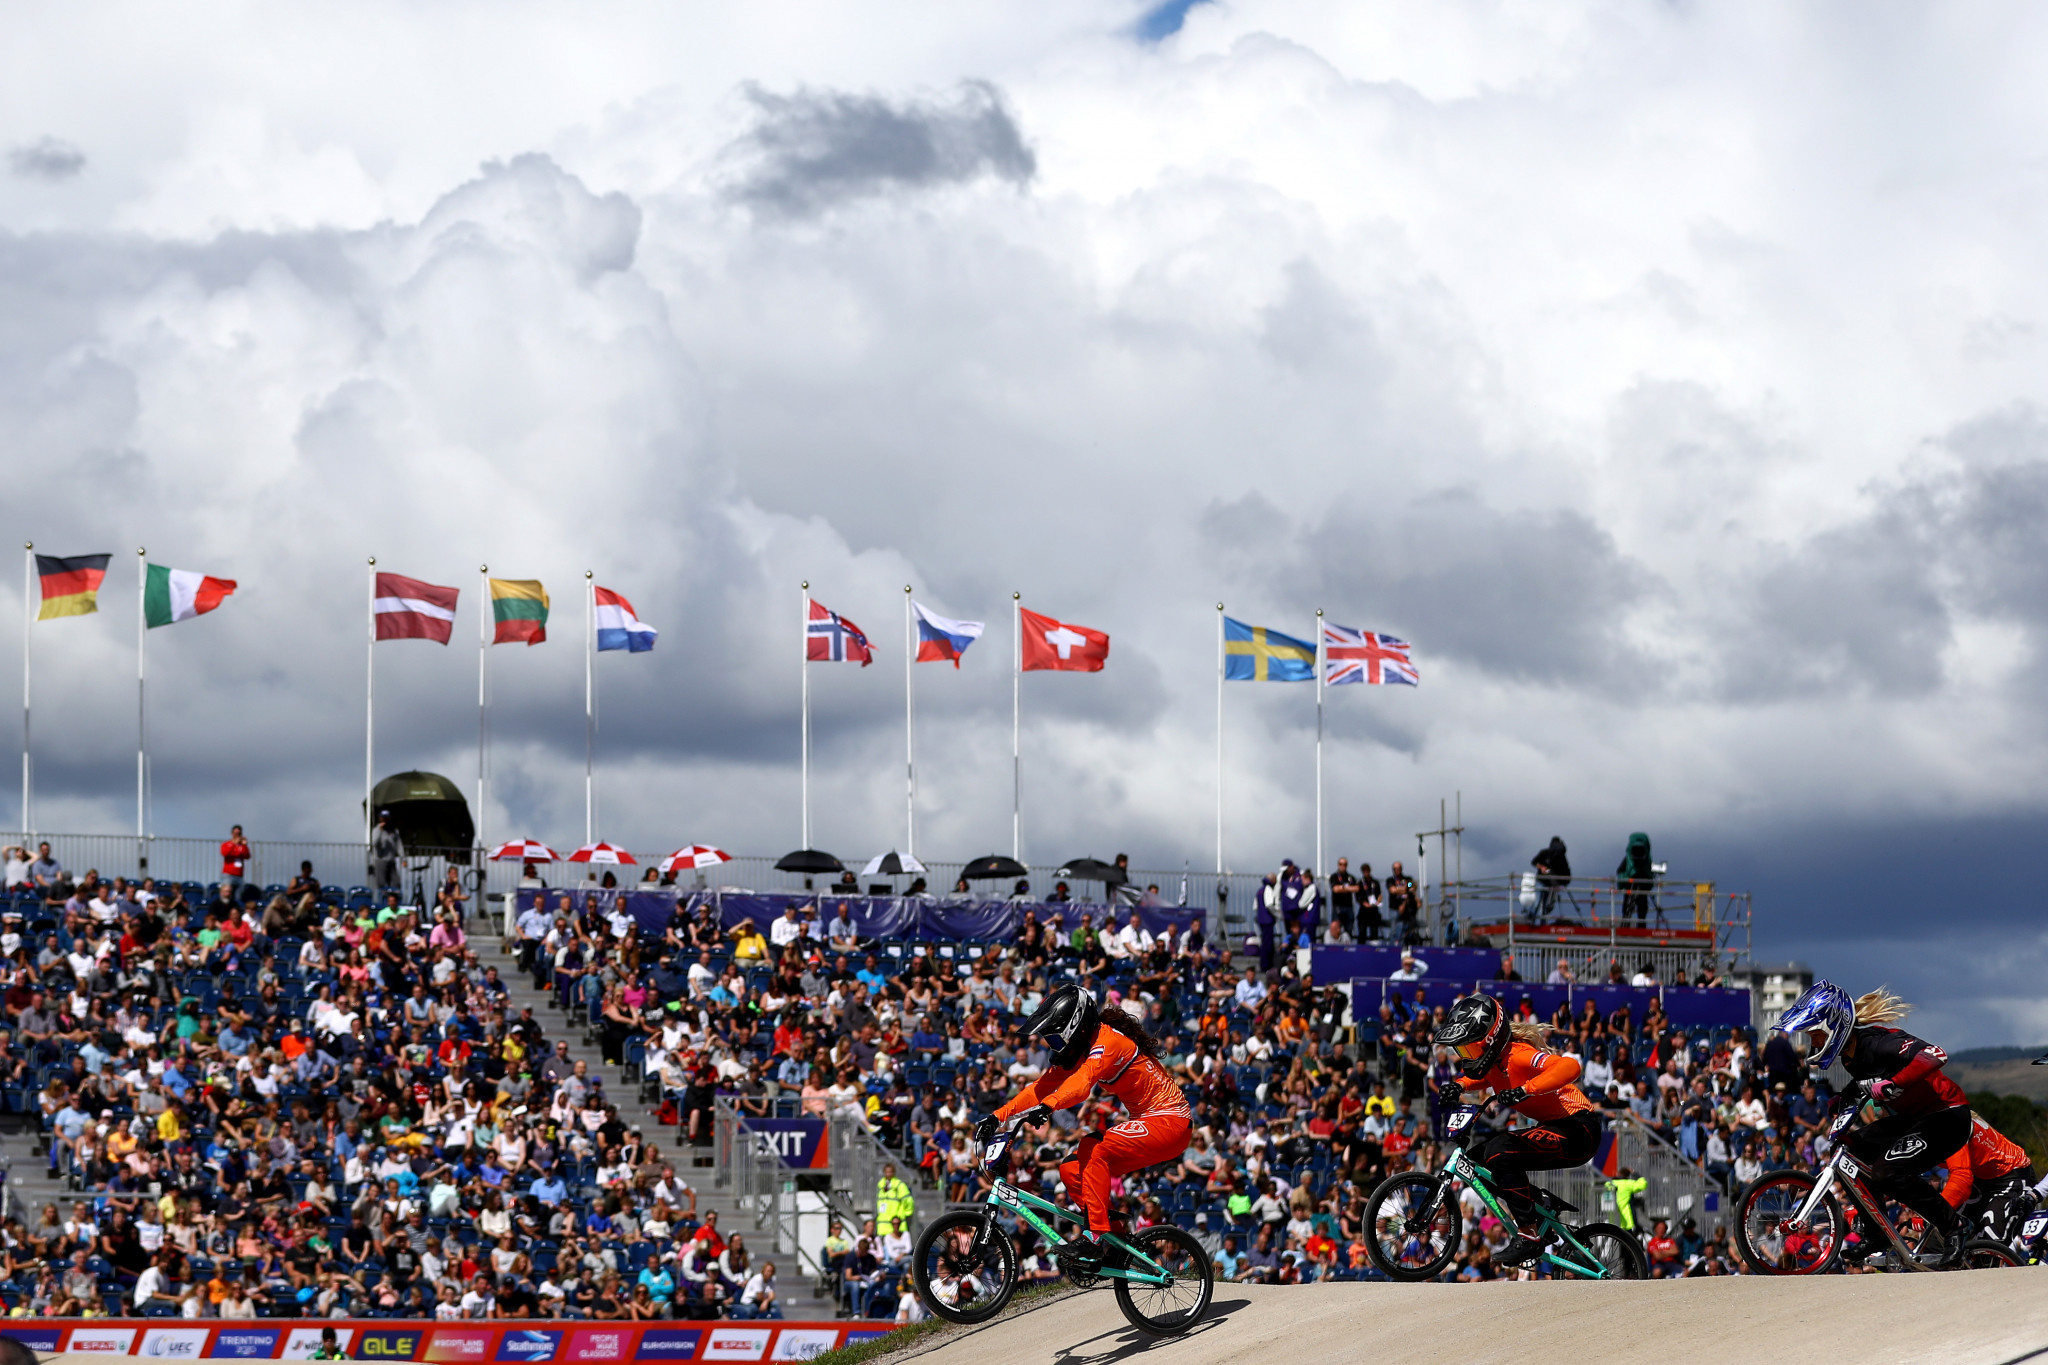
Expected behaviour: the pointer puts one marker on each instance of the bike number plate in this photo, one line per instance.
(1458, 1121)
(1005, 1195)
(1461, 1167)
(2034, 1225)
(1849, 1166)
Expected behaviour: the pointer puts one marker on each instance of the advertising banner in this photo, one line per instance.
(303, 1341)
(738, 1343)
(175, 1343)
(101, 1341)
(804, 1144)
(464, 1343)
(244, 1343)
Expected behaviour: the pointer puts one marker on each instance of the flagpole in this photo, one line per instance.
(1319, 742)
(1219, 744)
(804, 662)
(28, 588)
(370, 712)
(1016, 719)
(909, 730)
(141, 700)
(589, 709)
(483, 667)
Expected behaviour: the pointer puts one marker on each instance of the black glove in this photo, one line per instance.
(1032, 1117)
(1508, 1099)
(1450, 1095)
(986, 1129)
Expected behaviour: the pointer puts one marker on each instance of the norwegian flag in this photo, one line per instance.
(525, 851)
(1362, 656)
(831, 638)
(695, 856)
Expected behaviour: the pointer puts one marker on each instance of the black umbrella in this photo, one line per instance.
(1094, 870)
(808, 860)
(993, 868)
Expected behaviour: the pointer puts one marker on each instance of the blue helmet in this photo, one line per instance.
(1826, 1009)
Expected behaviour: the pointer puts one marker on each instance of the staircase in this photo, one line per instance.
(796, 1285)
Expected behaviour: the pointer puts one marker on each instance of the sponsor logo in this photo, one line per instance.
(387, 1345)
(175, 1343)
(244, 1343)
(738, 1343)
(855, 1337)
(303, 1341)
(675, 1343)
(47, 1342)
(529, 1345)
(449, 1344)
(103, 1341)
(1911, 1145)
(592, 1343)
(797, 1343)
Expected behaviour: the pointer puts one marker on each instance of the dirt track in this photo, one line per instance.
(1983, 1317)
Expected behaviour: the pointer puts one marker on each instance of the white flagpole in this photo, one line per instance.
(909, 729)
(370, 713)
(804, 662)
(141, 701)
(483, 673)
(1016, 721)
(1219, 743)
(28, 590)
(1319, 743)
(589, 708)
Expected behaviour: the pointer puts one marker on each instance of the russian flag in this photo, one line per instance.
(618, 627)
(939, 639)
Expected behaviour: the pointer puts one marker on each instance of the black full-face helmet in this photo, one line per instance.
(1067, 1022)
(1477, 1030)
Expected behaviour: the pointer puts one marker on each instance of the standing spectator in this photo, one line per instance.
(893, 1199)
(1344, 900)
(1403, 903)
(1267, 905)
(1553, 875)
(234, 861)
(1371, 924)
(1634, 879)
(386, 848)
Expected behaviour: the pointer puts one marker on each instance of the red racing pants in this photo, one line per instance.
(1130, 1146)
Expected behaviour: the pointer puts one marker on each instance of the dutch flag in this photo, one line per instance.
(618, 627)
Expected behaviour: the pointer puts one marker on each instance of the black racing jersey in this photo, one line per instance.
(1894, 1055)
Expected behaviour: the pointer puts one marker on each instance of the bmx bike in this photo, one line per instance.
(1417, 1225)
(1796, 1222)
(965, 1265)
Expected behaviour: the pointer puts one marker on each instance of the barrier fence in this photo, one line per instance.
(445, 1343)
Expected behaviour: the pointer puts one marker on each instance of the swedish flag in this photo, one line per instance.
(1258, 654)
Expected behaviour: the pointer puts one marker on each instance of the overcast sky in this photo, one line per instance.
(1671, 375)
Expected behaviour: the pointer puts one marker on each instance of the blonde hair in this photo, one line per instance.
(1532, 1031)
(1880, 1007)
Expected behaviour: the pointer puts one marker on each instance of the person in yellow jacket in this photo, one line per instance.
(1625, 1188)
(893, 1198)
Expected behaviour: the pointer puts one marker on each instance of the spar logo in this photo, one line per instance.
(105, 1341)
(738, 1343)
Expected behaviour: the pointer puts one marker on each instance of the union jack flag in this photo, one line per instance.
(1362, 656)
(831, 638)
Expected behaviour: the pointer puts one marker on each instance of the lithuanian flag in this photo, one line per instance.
(520, 607)
(71, 587)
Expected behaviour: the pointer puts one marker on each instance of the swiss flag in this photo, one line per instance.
(1055, 644)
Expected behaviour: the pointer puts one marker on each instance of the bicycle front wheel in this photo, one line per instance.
(1770, 1239)
(1616, 1252)
(1168, 1310)
(1985, 1254)
(1405, 1239)
(961, 1274)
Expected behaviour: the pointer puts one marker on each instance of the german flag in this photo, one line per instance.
(71, 587)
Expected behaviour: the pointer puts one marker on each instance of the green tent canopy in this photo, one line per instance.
(428, 811)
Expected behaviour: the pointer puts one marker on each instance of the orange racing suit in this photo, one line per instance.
(1157, 1130)
(1567, 1131)
(1985, 1166)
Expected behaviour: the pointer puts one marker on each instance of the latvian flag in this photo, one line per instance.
(519, 606)
(408, 609)
(173, 595)
(71, 587)
(618, 627)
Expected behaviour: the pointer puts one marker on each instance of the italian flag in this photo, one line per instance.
(171, 595)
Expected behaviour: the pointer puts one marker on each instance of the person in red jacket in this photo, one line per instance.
(1507, 1060)
(1091, 1046)
(1990, 1178)
(234, 860)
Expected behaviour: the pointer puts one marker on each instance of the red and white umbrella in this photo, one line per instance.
(601, 852)
(525, 851)
(696, 855)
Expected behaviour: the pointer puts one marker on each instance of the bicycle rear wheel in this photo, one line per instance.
(1405, 1240)
(1985, 1254)
(961, 1275)
(1771, 1243)
(1616, 1250)
(1170, 1309)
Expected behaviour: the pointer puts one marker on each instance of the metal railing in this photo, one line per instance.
(1676, 1188)
(766, 1189)
(1589, 924)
